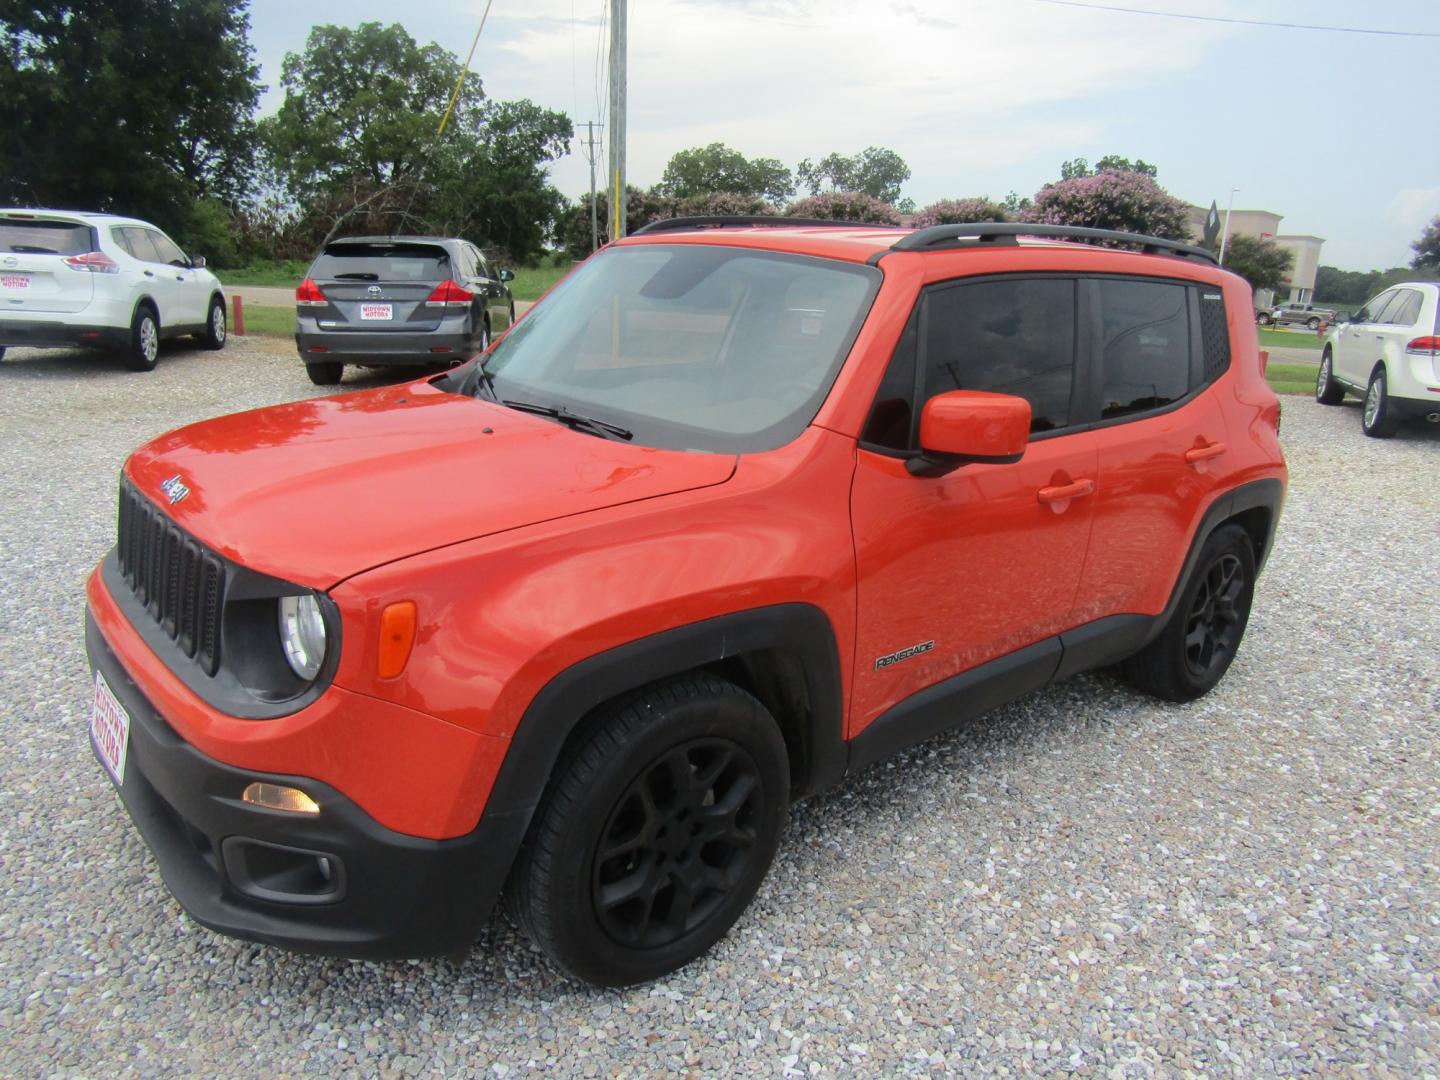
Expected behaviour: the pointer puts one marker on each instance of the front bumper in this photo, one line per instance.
(53, 334)
(257, 874)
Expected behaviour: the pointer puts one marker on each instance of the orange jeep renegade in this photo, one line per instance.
(741, 507)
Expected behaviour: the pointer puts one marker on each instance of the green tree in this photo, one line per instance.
(1427, 248)
(1121, 200)
(1078, 167)
(875, 171)
(1263, 263)
(134, 106)
(707, 170)
(641, 208)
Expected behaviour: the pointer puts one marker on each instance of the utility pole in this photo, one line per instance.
(617, 118)
(590, 127)
(1225, 236)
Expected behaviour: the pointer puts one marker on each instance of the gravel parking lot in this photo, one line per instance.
(1086, 882)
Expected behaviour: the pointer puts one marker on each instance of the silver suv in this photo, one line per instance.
(99, 280)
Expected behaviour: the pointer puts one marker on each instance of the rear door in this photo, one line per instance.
(488, 282)
(34, 277)
(381, 287)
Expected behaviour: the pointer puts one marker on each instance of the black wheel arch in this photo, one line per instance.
(146, 301)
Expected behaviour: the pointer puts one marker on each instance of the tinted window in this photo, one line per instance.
(139, 243)
(382, 262)
(166, 249)
(1007, 337)
(1145, 345)
(44, 237)
(1405, 309)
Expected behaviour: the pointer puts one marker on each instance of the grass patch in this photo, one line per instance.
(532, 281)
(280, 274)
(1291, 378)
(268, 321)
(1289, 339)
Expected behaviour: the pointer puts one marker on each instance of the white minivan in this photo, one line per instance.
(70, 278)
(1389, 353)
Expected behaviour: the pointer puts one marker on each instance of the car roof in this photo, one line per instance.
(393, 240)
(84, 217)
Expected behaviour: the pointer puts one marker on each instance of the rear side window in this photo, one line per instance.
(1015, 336)
(45, 237)
(1376, 307)
(1405, 309)
(382, 262)
(1145, 346)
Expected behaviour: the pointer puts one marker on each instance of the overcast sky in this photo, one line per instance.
(1335, 131)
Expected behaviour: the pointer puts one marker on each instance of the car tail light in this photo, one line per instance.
(95, 262)
(448, 294)
(309, 295)
(1424, 346)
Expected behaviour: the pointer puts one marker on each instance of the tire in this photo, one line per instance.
(1312, 324)
(215, 325)
(1327, 390)
(1199, 641)
(655, 832)
(2, 352)
(1263, 319)
(144, 351)
(325, 372)
(1377, 418)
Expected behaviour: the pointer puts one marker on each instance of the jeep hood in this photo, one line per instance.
(316, 491)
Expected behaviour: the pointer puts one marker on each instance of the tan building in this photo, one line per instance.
(1264, 225)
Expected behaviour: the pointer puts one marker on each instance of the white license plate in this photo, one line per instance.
(109, 729)
(370, 312)
(14, 281)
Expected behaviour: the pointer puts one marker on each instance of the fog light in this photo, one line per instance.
(275, 797)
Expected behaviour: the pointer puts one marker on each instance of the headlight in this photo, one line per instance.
(302, 634)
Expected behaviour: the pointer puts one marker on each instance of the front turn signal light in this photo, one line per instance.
(397, 637)
(279, 797)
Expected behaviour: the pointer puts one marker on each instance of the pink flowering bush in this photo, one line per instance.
(1127, 201)
(845, 206)
(724, 202)
(960, 211)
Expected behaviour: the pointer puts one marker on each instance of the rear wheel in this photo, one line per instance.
(1377, 418)
(1312, 323)
(215, 328)
(1263, 318)
(1327, 390)
(2, 352)
(144, 351)
(655, 832)
(325, 372)
(1194, 650)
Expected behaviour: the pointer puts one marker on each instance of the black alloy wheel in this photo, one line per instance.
(1214, 624)
(657, 828)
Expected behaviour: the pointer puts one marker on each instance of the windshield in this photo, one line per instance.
(691, 347)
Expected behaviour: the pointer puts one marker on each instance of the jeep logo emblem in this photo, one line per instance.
(174, 488)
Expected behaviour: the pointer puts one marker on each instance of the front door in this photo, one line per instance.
(960, 569)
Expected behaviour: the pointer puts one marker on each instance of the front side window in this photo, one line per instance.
(1012, 336)
(167, 250)
(1145, 345)
(692, 347)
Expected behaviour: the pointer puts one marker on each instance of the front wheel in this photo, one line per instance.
(655, 832)
(1377, 418)
(215, 326)
(1327, 390)
(2, 352)
(1201, 637)
(325, 372)
(144, 351)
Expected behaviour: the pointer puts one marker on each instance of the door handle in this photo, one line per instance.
(1061, 492)
(1204, 453)
(149, 273)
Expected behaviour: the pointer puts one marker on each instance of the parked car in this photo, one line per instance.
(1388, 353)
(739, 509)
(69, 278)
(1307, 315)
(387, 301)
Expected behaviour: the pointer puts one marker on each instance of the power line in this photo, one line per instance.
(1240, 22)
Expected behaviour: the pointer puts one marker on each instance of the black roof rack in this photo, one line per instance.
(720, 221)
(1009, 232)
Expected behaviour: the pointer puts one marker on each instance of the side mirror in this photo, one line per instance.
(507, 275)
(197, 262)
(967, 426)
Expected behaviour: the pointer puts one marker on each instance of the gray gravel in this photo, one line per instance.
(1086, 883)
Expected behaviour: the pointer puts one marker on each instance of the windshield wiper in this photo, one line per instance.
(478, 378)
(358, 276)
(603, 428)
(31, 249)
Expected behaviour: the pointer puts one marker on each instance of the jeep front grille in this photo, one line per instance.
(180, 582)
